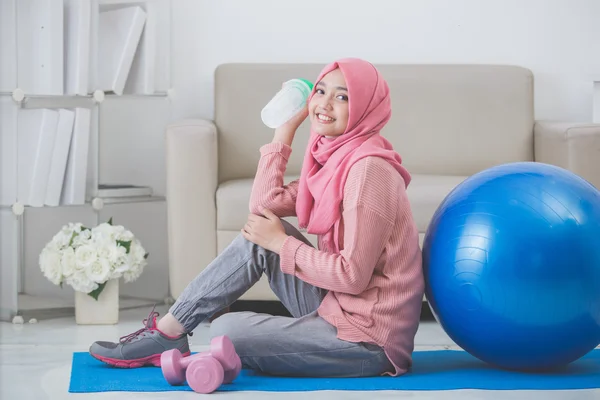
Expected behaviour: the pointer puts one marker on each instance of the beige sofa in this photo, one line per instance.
(449, 121)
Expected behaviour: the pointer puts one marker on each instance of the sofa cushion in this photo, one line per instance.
(425, 193)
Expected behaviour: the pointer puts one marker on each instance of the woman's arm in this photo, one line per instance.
(370, 207)
(268, 189)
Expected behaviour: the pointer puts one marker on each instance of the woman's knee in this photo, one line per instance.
(291, 230)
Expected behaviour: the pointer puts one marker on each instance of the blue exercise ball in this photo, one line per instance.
(512, 266)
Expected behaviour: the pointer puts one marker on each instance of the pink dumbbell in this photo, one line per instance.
(206, 371)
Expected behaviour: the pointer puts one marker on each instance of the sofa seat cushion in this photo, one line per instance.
(425, 194)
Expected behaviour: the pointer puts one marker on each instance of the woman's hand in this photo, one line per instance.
(267, 232)
(294, 123)
(285, 133)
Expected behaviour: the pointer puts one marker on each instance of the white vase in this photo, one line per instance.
(104, 311)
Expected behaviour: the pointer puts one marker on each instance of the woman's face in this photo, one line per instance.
(328, 108)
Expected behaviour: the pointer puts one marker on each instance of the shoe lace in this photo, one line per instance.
(148, 324)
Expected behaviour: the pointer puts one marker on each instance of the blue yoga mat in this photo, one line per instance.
(433, 370)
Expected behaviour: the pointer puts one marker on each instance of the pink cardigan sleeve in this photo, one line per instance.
(268, 189)
(369, 217)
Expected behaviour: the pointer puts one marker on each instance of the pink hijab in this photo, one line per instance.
(328, 161)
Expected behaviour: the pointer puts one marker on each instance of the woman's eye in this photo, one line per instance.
(320, 91)
(343, 97)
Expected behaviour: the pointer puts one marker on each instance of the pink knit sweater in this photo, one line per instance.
(376, 282)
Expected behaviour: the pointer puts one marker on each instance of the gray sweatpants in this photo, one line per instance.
(302, 345)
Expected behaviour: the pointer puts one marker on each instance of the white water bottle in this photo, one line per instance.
(286, 103)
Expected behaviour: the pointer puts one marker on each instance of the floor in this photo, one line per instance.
(35, 364)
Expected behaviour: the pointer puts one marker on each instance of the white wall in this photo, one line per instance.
(559, 40)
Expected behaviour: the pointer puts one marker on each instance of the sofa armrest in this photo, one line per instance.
(192, 178)
(573, 146)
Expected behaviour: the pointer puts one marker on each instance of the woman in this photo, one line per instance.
(356, 300)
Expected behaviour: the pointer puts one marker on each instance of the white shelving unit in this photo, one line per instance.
(111, 97)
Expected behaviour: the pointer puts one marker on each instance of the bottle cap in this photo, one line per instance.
(309, 83)
(305, 85)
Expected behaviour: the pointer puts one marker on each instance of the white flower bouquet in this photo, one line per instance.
(88, 258)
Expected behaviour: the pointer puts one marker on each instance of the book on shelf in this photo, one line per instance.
(119, 33)
(78, 14)
(36, 134)
(39, 34)
(75, 177)
(123, 190)
(60, 156)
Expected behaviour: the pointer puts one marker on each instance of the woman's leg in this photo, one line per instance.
(305, 346)
(229, 276)
(235, 271)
